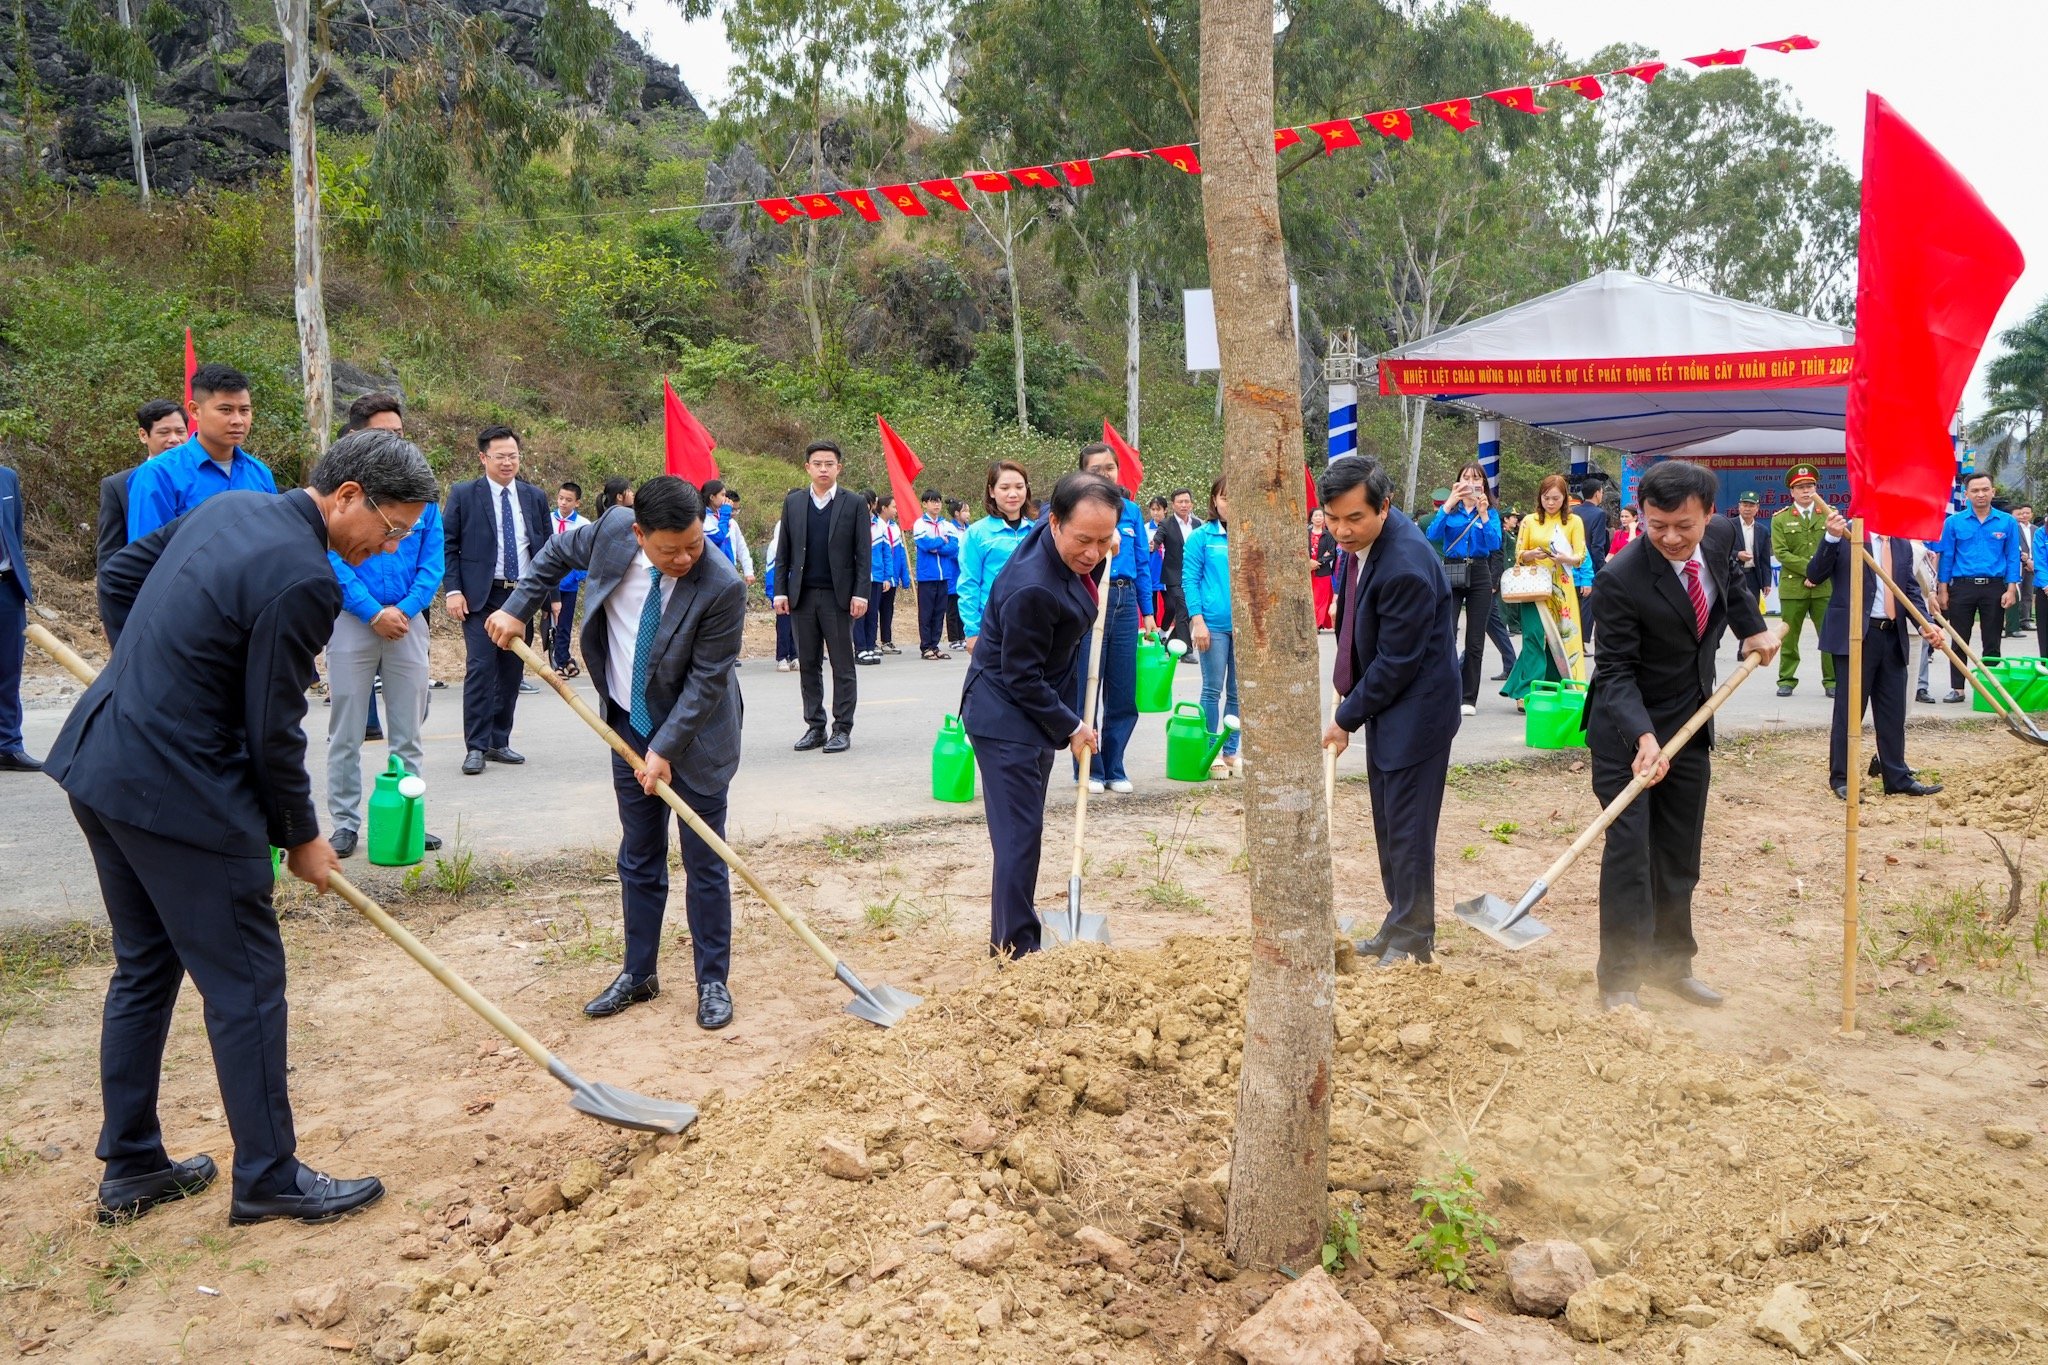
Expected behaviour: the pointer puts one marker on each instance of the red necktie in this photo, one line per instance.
(1698, 593)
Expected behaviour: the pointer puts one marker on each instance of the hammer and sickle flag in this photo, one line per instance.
(1181, 158)
(906, 201)
(1798, 42)
(946, 192)
(1519, 98)
(781, 210)
(1393, 123)
(1646, 72)
(1457, 113)
(818, 205)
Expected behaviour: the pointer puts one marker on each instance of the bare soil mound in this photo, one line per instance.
(1028, 1169)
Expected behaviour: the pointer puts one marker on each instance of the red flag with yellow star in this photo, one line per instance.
(1646, 72)
(863, 204)
(906, 201)
(1589, 86)
(1181, 158)
(1336, 134)
(1078, 173)
(1457, 113)
(1037, 177)
(991, 182)
(1727, 56)
(946, 192)
(1393, 123)
(1283, 138)
(1519, 98)
(781, 210)
(818, 205)
(1798, 42)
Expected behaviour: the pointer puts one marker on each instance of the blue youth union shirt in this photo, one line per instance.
(167, 486)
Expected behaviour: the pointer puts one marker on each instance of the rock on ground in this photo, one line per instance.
(843, 1158)
(1543, 1276)
(1609, 1309)
(1788, 1319)
(1113, 1252)
(984, 1252)
(1307, 1323)
(321, 1305)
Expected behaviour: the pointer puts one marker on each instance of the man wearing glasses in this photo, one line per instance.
(382, 629)
(495, 525)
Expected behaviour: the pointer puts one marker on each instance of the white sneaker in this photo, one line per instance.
(1094, 785)
(1468, 709)
(1219, 769)
(1122, 786)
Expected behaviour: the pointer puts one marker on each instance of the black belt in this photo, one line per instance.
(1126, 580)
(1883, 623)
(504, 582)
(1981, 582)
(6, 575)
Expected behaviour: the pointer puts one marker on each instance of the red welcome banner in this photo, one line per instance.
(1807, 368)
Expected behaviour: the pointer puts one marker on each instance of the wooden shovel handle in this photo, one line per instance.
(1671, 747)
(2001, 701)
(1094, 692)
(62, 653)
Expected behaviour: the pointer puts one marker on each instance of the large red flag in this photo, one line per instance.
(1130, 470)
(688, 445)
(191, 368)
(904, 467)
(1932, 267)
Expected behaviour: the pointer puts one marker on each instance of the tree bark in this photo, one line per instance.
(1280, 1156)
(1131, 340)
(1016, 316)
(308, 301)
(121, 12)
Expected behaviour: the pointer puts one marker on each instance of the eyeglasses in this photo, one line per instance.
(392, 534)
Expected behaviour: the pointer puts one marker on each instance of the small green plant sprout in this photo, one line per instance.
(1470, 852)
(1340, 1244)
(1454, 1227)
(1504, 831)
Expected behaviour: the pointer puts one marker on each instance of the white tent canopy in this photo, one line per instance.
(1641, 335)
(1804, 443)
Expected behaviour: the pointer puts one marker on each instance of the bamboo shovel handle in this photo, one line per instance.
(1948, 633)
(1636, 785)
(797, 925)
(62, 653)
(1088, 715)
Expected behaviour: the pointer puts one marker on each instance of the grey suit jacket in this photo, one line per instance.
(690, 691)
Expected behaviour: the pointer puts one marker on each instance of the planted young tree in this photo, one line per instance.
(1280, 1156)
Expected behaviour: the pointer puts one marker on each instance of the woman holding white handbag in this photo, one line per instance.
(1551, 543)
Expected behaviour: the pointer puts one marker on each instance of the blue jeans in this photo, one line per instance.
(1119, 697)
(1219, 683)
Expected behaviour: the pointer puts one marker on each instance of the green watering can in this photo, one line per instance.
(1157, 661)
(1190, 748)
(398, 817)
(952, 763)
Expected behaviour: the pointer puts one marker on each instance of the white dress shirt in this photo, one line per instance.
(622, 627)
(1880, 595)
(1706, 579)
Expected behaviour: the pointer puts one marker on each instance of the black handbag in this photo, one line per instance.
(1459, 571)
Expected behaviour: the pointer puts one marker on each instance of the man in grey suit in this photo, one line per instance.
(661, 637)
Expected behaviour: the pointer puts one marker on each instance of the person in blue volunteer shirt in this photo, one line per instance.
(167, 486)
(2039, 587)
(938, 560)
(1205, 583)
(1467, 533)
(1979, 569)
(560, 619)
(956, 527)
(992, 540)
(1130, 605)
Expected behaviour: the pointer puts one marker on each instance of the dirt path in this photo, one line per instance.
(391, 1076)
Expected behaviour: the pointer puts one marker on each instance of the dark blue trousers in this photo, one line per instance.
(13, 641)
(1118, 705)
(931, 612)
(175, 909)
(1406, 804)
(490, 679)
(643, 867)
(565, 627)
(1013, 783)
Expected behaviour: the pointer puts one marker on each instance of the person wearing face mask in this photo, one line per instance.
(662, 620)
(1016, 700)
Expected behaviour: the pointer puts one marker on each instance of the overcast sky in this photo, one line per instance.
(1960, 72)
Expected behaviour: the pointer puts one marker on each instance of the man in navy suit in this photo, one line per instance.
(1886, 626)
(185, 762)
(495, 525)
(1398, 674)
(15, 595)
(1015, 701)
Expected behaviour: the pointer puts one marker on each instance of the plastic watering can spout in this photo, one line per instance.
(1231, 724)
(412, 789)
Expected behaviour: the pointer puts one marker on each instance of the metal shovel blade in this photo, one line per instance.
(882, 1006)
(1072, 925)
(1511, 926)
(623, 1108)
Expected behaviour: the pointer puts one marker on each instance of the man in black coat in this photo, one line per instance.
(1014, 702)
(185, 762)
(495, 526)
(1886, 626)
(823, 582)
(1398, 674)
(1180, 523)
(159, 425)
(1661, 604)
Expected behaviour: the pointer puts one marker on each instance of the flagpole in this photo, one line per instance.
(1859, 618)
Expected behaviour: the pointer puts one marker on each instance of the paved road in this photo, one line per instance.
(562, 800)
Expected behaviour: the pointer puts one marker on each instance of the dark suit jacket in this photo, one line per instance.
(690, 690)
(1171, 544)
(11, 521)
(193, 729)
(1022, 670)
(470, 522)
(1597, 534)
(1831, 561)
(1758, 574)
(851, 537)
(1652, 671)
(1404, 645)
(113, 528)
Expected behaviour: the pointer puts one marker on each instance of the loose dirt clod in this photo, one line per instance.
(1787, 1319)
(1307, 1323)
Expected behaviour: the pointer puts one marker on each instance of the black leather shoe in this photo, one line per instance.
(1827, 690)
(1619, 1000)
(1914, 787)
(1924, 695)
(1501, 676)
(1954, 696)
(714, 1005)
(372, 733)
(814, 738)
(472, 762)
(626, 991)
(344, 841)
(1840, 789)
(1692, 990)
(1784, 690)
(138, 1194)
(512, 756)
(840, 742)
(18, 761)
(1394, 957)
(312, 1198)
(1370, 948)
(1876, 768)
(433, 841)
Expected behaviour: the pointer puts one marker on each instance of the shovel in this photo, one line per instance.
(606, 1103)
(884, 1006)
(1072, 924)
(1511, 925)
(1982, 678)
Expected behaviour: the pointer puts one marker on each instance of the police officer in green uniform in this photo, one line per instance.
(1796, 533)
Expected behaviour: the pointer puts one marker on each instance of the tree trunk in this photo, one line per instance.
(307, 299)
(1131, 360)
(1281, 1152)
(1016, 316)
(134, 113)
(1416, 410)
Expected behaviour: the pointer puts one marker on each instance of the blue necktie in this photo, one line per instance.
(507, 536)
(643, 650)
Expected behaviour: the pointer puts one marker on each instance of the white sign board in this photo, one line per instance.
(1198, 322)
